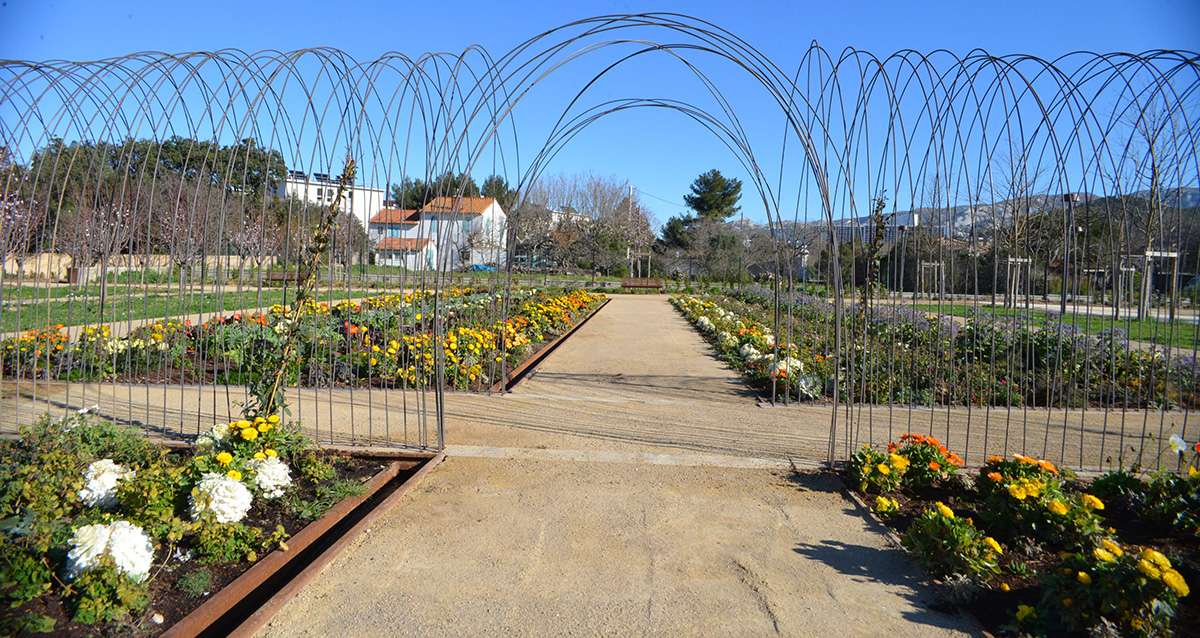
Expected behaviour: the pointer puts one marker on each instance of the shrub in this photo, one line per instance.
(1134, 588)
(947, 544)
(104, 595)
(1165, 499)
(930, 460)
(876, 472)
(1027, 496)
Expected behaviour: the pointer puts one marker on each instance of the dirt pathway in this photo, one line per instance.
(528, 538)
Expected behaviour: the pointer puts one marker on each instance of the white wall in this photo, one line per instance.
(363, 202)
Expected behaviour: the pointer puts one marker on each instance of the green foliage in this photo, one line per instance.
(27, 624)
(947, 544)
(154, 495)
(930, 460)
(313, 467)
(24, 575)
(103, 595)
(195, 583)
(222, 543)
(328, 495)
(1164, 499)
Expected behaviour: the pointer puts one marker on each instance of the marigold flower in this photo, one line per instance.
(943, 510)
(270, 452)
(883, 469)
(1103, 555)
(1048, 466)
(1091, 502)
(224, 458)
(259, 456)
(234, 474)
(1017, 492)
(899, 462)
(991, 542)
(1148, 568)
(249, 434)
(1175, 581)
(273, 419)
(1024, 611)
(935, 466)
(995, 458)
(1084, 578)
(995, 477)
(1157, 558)
(1112, 546)
(1057, 507)
(1005, 587)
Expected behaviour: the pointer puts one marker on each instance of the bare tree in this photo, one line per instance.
(253, 239)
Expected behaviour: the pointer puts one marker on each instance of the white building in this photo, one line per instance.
(450, 233)
(320, 188)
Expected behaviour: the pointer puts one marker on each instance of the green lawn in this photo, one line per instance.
(132, 306)
(1181, 334)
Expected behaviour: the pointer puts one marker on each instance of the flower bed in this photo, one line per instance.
(380, 341)
(749, 346)
(899, 355)
(1032, 550)
(104, 532)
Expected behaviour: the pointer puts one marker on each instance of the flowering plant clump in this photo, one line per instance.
(1025, 495)
(101, 479)
(885, 506)
(270, 475)
(126, 544)
(930, 460)
(1162, 498)
(946, 543)
(1137, 589)
(877, 472)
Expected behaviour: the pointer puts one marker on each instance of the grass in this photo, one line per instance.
(196, 584)
(328, 494)
(130, 304)
(1180, 334)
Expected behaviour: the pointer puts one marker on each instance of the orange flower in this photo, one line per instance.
(996, 477)
(995, 458)
(1048, 466)
(955, 460)
(935, 466)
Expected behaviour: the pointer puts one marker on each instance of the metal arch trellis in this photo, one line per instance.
(1068, 166)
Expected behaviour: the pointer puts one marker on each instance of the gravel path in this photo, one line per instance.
(618, 538)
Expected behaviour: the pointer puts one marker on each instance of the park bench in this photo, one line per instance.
(642, 282)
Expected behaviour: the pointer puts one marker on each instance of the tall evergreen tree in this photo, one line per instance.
(714, 196)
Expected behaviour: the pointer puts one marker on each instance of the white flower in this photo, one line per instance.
(271, 475)
(131, 550)
(88, 409)
(748, 352)
(102, 477)
(87, 546)
(126, 543)
(809, 386)
(227, 499)
(786, 366)
(215, 435)
(1178, 445)
(706, 324)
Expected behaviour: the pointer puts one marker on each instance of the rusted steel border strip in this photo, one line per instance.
(519, 373)
(264, 613)
(221, 602)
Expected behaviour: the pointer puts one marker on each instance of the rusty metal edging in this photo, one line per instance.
(519, 373)
(264, 613)
(201, 618)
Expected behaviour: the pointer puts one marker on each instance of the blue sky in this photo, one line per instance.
(660, 152)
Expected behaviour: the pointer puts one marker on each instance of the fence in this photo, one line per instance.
(1083, 169)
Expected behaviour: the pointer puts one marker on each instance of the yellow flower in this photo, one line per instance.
(1103, 555)
(1148, 568)
(234, 474)
(273, 419)
(1092, 502)
(1057, 507)
(943, 510)
(241, 424)
(1193, 472)
(1156, 557)
(1112, 546)
(1023, 612)
(224, 458)
(249, 434)
(899, 462)
(260, 456)
(1172, 579)
(1005, 587)
(1017, 492)
(259, 420)
(1084, 578)
(991, 542)
(883, 469)
(263, 427)
(271, 453)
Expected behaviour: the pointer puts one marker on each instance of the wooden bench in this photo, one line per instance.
(642, 282)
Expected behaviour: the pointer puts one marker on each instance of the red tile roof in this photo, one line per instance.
(463, 205)
(396, 216)
(401, 243)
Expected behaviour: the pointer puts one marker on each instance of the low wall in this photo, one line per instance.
(56, 266)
